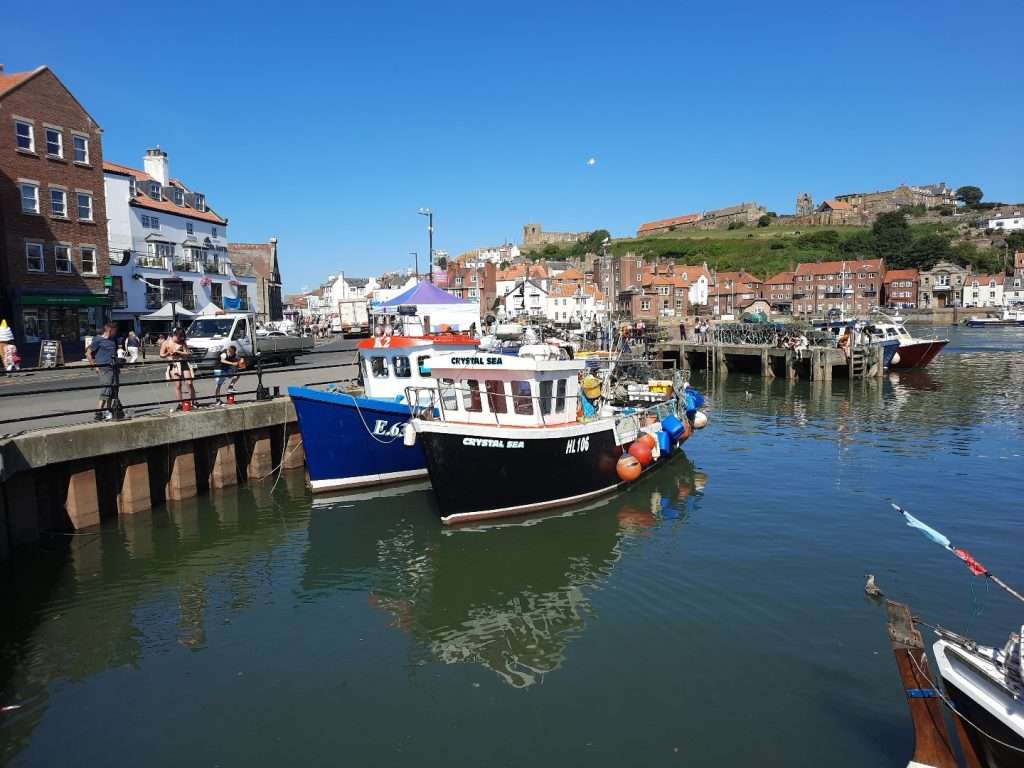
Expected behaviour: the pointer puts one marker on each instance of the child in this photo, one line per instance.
(227, 366)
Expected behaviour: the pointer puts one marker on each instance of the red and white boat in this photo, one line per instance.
(914, 352)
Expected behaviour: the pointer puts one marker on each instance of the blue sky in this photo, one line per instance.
(330, 126)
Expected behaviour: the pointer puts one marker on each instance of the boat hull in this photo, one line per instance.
(352, 441)
(918, 354)
(994, 323)
(479, 474)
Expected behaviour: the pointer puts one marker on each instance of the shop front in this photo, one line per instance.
(65, 318)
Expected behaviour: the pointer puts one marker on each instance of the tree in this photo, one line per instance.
(860, 244)
(969, 195)
(892, 237)
(764, 221)
(924, 251)
(1015, 241)
(442, 262)
(503, 266)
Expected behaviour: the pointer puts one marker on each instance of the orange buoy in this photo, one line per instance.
(687, 431)
(641, 452)
(629, 468)
(648, 439)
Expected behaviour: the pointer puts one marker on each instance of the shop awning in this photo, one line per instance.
(59, 300)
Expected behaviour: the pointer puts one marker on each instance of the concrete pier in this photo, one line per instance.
(70, 478)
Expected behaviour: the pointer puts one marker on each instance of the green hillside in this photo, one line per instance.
(765, 251)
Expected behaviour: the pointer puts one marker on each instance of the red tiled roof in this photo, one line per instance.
(838, 205)
(674, 221)
(835, 267)
(143, 200)
(570, 274)
(901, 274)
(780, 279)
(738, 277)
(983, 280)
(8, 82)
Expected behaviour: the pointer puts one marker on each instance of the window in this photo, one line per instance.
(62, 258)
(241, 330)
(84, 206)
(88, 260)
(645, 306)
(379, 367)
(59, 203)
(29, 198)
(214, 231)
(471, 396)
(402, 368)
(545, 396)
(522, 401)
(54, 143)
(81, 147)
(117, 292)
(150, 222)
(154, 190)
(199, 202)
(25, 135)
(449, 397)
(217, 294)
(496, 402)
(423, 366)
(178, 196)
(133, 189)
(189, 229)
(243, 298)
(34, 257)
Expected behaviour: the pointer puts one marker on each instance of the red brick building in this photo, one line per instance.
(53, 249)
(475, 284)
(901, 288)
(778, 292)
(853, 287)
(732, 292)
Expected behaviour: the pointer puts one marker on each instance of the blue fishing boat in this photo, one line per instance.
(353, 436)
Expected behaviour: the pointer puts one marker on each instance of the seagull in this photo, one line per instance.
(871, 588)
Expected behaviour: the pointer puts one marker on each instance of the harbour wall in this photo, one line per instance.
(69, 478)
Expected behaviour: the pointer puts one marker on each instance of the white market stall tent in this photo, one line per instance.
(430, 303)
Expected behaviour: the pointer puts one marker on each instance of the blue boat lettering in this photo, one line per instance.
(382, 427)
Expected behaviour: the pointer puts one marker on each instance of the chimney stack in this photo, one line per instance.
(156, 165)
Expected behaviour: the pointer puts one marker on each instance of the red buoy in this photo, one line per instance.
(648, 439)
(628, 468)
(641, 452)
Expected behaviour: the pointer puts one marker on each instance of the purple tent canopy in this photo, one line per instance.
(424, 293)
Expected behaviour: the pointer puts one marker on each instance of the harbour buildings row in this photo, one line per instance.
(86, 240)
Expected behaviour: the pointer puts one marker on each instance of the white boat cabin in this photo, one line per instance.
(486, 388)
(390, 364)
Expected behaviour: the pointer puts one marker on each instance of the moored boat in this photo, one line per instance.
(509, 435)
(353, 435)
(1012, 317)
(914, 351)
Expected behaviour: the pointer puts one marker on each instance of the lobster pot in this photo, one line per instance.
(673, 426)
(664, 441)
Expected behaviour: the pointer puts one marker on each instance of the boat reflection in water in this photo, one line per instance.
(507, 595)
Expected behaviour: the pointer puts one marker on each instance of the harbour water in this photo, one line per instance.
(713, 614)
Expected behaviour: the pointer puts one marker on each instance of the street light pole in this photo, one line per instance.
(430, 240)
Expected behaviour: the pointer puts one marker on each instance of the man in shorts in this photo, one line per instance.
(227, 367)
(176, 353)
(102, 355)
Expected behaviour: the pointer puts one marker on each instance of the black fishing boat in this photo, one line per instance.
(508, 435)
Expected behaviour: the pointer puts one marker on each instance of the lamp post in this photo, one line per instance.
(430, 240)
(416, 263)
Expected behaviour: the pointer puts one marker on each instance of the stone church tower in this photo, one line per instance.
(804, 204)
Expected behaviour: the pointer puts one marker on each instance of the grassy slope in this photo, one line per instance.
(762, 251)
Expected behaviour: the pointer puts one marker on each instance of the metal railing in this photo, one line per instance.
(153, 262)
(185, 265)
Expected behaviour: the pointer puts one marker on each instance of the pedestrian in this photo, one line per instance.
(132, 345)
(682, 330)
(102, 355)
(227, 367)
(175, 352)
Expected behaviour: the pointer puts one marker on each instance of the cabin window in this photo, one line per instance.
(471, 396)
(496, 396)
(423, 366)
(379, 367)
(545, 396)
(522, 401)
(449, 397)
(560, 396)
(402, 368)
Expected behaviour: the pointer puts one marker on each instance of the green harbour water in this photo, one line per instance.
(712, 614)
